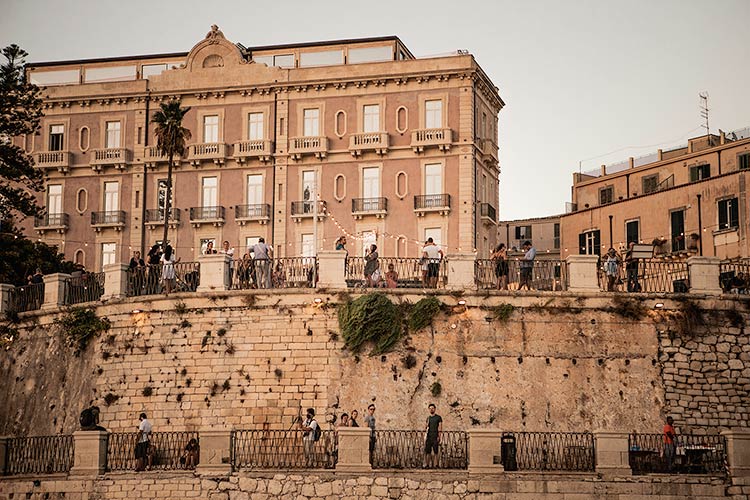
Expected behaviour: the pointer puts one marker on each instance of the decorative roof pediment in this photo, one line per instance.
(214, 51)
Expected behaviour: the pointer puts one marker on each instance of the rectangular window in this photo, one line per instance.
(606, 195)
(371, 114)
(109, 254)
(112, 138)
(371, 182)
(308, 190)
(677, 223)
(433, 179)
(210, 188)
(435, 233)
(483, 188)
(483, 126)
(700, 172)
(433, 114)
(323, 58)
(111, 196)
(557, 235)
(56, 135)
(205, 242)
(54, 199)
(308, 245)
(744, 161)
(729, 214)
(589, 243)
(523, 232)
(284, 61)
(368, 238)
(632, 231)
(211, 128)
(650, 184)
(250, 242)
(161, 195)
(254, 189)
(255, 127)
(311, 119)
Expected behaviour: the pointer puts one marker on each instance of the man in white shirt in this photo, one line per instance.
(262, 255)
(432, 255)
(227, 250)
(142, 443)
(310, 427)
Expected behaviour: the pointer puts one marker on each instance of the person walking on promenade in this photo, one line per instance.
(262, 255)
(310, 435)
(143, 442)
(500, 259)
(527, 265)
(370, 422)
(669, 444)
(434, 428)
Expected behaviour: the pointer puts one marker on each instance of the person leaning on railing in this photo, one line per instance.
(631, 269)
(527, 265)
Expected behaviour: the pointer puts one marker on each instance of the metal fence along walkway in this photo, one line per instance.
(165, 450)
(406, 450)
(279, 449)
(39, 455)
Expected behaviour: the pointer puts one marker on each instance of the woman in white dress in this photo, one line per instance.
(167, 270)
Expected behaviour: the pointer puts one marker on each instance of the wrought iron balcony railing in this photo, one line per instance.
(488, 213)
(203, 215)
(424, 203)
(364, 206)
(113, 219)
(260, 212)
(52, 222)
(155, 216)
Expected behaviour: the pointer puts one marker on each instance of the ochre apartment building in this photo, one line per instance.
(395, 149)
(542, 232)
(691, 200)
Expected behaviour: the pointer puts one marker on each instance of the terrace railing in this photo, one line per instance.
(405, 449)
(690, 454)
(545, 275)
(410, 271)
(285, 272)
(26, 298)
(283, 449)
(148, 281)
(165, 450)
(39, 455)
(650, 276)
(86, 288)
(734, 277)
(554, 451)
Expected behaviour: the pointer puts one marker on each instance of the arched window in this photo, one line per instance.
(80, 258)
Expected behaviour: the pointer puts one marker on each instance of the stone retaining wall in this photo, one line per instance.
(418, 485)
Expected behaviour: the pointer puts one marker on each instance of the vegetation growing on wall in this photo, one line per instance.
(370, 318)
(629, 308)
(79, 325)
(422, 313)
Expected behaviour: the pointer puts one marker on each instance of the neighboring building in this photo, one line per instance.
(542, 232)
(689, 200)
(399, 149)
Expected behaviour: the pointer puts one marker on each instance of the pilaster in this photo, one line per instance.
(354, 450)
(331, 264)
(612, 453)
(485, 451)
(90, 453)
(215, 445)
(215, 272)
(115, 281)
(704, 275)
(54, 290)
(461, 271)
(582, 273)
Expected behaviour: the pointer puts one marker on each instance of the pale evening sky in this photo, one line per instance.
(580, 78)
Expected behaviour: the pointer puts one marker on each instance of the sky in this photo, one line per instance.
(586, 82)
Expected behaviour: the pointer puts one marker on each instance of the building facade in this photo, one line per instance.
(691, 200)
(542, 232)
(395, 149)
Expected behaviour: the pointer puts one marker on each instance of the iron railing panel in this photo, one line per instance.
(26, 298)
(39, 455)
(693, 454)
(546, 275)
(86, 288)
(147, 280)
(650, 276)
(405, 449)
(555, 451)
(283, 449)
(166, 448)
(410, 271)
(284, 272)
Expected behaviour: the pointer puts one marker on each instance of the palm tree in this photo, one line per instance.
(170, 141)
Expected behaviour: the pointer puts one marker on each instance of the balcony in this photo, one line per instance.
(252, 213)
(155, 218)
(441, 138)
(426, 203)
(488, 151)
(104, 220)
(371, 141)
(304, 210)
(488, 214)
(152, 158)
(245, 150)
(110, 157)
(53, 159)
(300, 146)
(207, 151)
(207, 215)
(369, 206)
(52, 222)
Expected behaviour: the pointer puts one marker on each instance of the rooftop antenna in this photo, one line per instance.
(704, 109)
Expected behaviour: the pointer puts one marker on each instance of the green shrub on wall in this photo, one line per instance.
(79, 325)
(422, 313)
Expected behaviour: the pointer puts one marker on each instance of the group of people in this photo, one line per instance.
(157, 272)
(374, 277)
(433, 431)
(611, 265)
(500, 259)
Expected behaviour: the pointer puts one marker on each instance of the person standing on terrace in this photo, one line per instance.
(262, 255)
(371, 264)
(612, 269)
(669, 445)
(500, 259)
(228, 250)
(433, 255)
(527, 265)
(434, 428)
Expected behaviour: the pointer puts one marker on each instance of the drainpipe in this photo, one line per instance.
(273, 172)
(700, 228)
(610, 232)
(145, 184)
